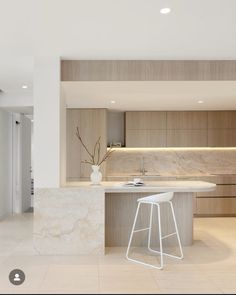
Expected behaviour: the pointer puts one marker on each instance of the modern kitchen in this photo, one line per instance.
(152, 144)
(118, 147)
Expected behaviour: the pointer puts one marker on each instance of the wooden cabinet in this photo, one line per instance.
(92, 124)
(186, 120)
(221, 201)
(222, 129)
(186, 138)
(216, 206)
(181, 129)
(145, 138)
(222, 120)
(221, 137)
(186, 129)
(145, 129)
(145, 120)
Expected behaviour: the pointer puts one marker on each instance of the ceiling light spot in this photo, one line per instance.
(200, 101)
(165, 10)
(112, 101)
(24, 86)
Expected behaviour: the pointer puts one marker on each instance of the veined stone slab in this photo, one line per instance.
(69, 221)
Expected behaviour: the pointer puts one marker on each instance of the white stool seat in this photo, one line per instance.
(155, 200)
(158, 198)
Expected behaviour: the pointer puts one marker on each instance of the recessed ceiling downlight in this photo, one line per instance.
(24, 86)
(165, 10)
(200, 101)
(112, 101)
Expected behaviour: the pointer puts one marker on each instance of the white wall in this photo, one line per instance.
(62, 138)
(47, 112)
(5, 163)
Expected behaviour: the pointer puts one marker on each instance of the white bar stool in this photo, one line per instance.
(155, 200)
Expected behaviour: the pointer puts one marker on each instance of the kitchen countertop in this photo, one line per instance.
(149, 186)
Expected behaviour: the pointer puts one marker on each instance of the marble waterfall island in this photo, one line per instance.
(81, 219)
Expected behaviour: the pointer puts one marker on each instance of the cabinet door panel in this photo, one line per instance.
(220, 191)
(216, 206)
(145, 120)
(187, 120)
(136, 138)
(222, 119)
(145, 138)
(156, 138)
(186, 138)
(222, 137)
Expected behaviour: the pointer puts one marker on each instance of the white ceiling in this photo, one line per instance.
(22, 110)
(111, 29)
(115, 29)
(151, 95)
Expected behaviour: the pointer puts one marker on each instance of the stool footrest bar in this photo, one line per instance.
(135, 231)
(167, 236)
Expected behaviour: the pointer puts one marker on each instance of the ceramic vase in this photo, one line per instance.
(96, 175)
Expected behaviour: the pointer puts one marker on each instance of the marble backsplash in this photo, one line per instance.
(172, 161)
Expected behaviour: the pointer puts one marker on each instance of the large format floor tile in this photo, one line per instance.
(208, 267)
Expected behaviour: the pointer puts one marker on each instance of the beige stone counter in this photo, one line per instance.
(83, 219)
(148, 187)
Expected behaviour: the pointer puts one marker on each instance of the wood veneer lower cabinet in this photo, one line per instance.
(92, 124)
(220, 202)
(216, 206)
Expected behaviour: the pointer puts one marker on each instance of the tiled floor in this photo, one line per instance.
(209, 265)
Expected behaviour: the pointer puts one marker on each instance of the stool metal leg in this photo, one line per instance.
(177, 231)
(160, 235)
(161, 253)
(132, 231)
(169, 235)
(130, 241)
(150, 226)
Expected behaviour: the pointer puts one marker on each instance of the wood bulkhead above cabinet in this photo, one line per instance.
(180, 129)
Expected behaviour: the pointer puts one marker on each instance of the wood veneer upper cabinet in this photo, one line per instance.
(222, 137)
(187, 120)
(145, 120)
(146, 129)
(92, 124)
(222, 128)
(222, 120)
(186, 129)
(145, 138)
(187, 138)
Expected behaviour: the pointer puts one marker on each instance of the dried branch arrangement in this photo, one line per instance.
(95, 157)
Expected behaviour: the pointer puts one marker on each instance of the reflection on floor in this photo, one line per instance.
(209, 265)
